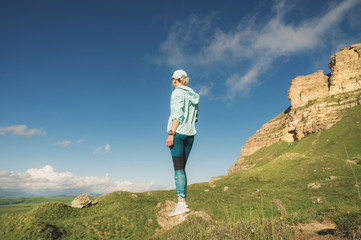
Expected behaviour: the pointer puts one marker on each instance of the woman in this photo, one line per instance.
(181, 131)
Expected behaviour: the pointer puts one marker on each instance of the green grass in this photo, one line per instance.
(4, 200)
(247, 210)
(235, 227)
(15, 204)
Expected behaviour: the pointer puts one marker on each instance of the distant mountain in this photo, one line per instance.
(14, 193)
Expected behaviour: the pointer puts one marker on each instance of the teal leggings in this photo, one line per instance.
(180, 151)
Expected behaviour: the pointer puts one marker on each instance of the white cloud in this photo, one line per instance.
(64, 143)
(4, 174)
(184, 38)
(255, 45)
(20, 130)
(205, 90)
(237, 83)
(46, 180)
(98, 150)
(105, 149)
(80, 141)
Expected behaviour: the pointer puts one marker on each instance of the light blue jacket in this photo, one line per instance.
(184, 107)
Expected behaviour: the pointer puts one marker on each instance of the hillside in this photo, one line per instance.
(295, 175)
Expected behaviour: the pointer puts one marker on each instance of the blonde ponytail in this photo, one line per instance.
(184, 80)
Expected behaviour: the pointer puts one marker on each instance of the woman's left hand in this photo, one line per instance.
(170, 140)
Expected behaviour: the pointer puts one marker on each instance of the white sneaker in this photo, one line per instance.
(179, 210)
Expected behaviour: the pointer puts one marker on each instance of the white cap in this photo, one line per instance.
(178, 74)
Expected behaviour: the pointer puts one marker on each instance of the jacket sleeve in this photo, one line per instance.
(177, 107)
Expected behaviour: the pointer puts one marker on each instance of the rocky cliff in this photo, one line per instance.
(316, 102)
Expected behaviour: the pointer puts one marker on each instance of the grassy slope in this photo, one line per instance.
(245, 210)
(4, 200)
(14, 204)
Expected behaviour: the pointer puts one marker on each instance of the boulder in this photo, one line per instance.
(167, 222)
(81, 201)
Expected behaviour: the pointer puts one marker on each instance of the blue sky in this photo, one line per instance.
(84, 85)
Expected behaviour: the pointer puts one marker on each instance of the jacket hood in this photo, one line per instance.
(193, 96)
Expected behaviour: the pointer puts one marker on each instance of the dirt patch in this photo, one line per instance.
(290, 156)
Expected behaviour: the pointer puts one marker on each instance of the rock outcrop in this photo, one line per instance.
(307, 88)
(212, 181)
(81, 201)
(316, 102)
(167, 222)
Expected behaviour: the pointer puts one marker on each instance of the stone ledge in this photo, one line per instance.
(167, 222)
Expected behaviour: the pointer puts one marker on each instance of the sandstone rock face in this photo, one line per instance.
(316, 104)
(346, 70)
(306, 88)
(81, 201)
